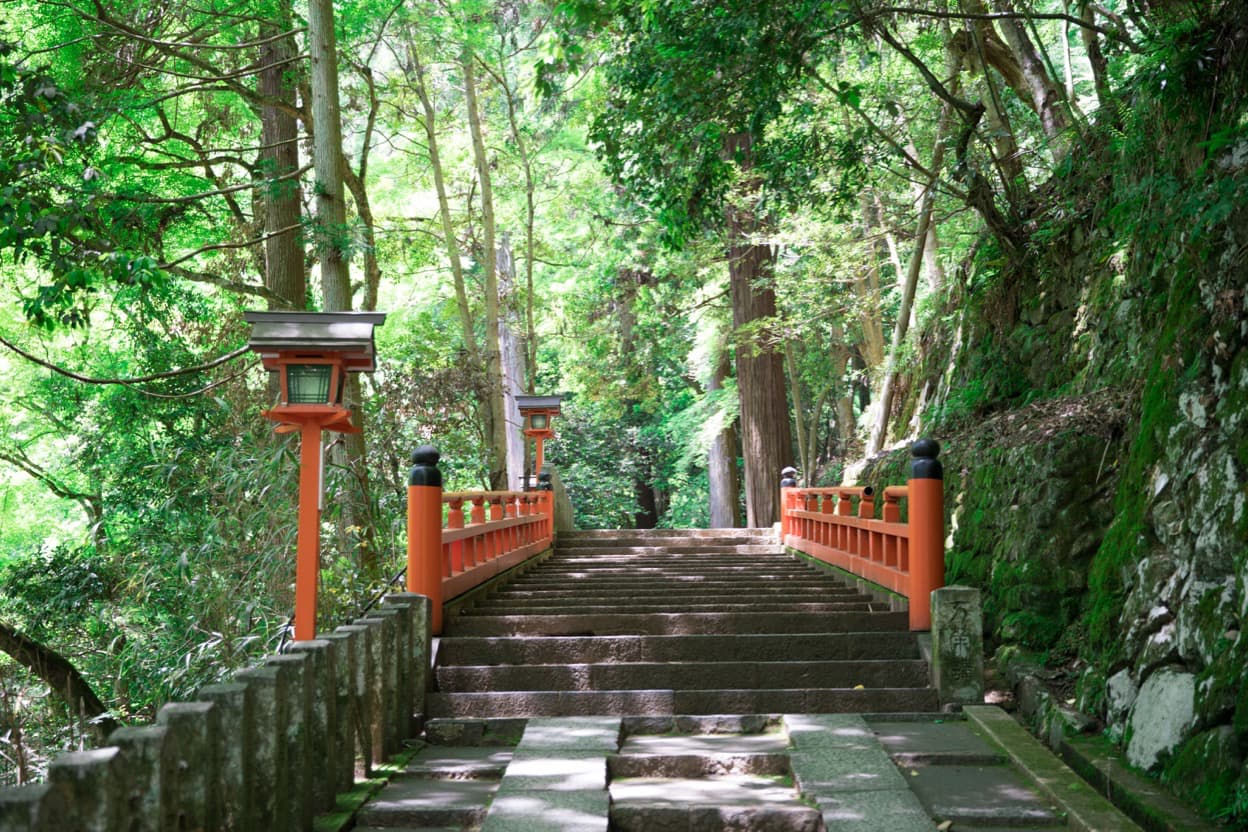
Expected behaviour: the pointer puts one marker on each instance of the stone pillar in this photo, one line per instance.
(235, 741)
(32, 808)
(297, 668)
(346, 656)
(147, 753)
(958, 645)
(322, 714)
(88, 784)
(270, 802)
(411, 606)
(193, 729)
(362, 691)
(375, 646)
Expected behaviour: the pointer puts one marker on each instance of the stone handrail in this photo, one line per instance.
(906, 558)
(264, 752)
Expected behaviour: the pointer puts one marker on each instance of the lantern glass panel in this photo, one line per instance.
(539, 421)
(308, 383)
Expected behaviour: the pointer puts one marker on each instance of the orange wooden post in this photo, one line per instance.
(496, 545)
(455, 520)
(927, 530)
(308, 548)
(424, 531)
(788, 481)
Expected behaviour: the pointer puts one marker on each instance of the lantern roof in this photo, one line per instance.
(531, 403)
(348, 335)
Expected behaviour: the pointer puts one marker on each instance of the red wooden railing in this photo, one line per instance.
(907, 558)
(448, 554)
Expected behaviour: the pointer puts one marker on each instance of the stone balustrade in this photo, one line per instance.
(264, 752)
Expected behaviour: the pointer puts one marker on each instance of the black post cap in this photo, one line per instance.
(425, 469)
(788, 477)
(924, 464)
(543, 482)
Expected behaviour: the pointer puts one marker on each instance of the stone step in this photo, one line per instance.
(650, 534)
(519, 599)
(822, 646)
(767, 551)
(675, 623)
(700, 676)
(420, 802)
(579, 606)
(670, 702)
(659, 570)
(683, 582)
(734, 801)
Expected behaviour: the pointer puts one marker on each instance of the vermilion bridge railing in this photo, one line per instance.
(907, 558)
(448, 553)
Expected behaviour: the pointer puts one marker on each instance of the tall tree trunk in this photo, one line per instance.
(416, 72)
(885, 403)
(331, 207)
(513, 373)
(767, 441)
(721, 458)
(1045, 96)
(867, 287)
(332, 248)
(1096, 57)
(284, 274)
(497, 423)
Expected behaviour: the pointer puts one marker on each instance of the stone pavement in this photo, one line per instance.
(803, 772)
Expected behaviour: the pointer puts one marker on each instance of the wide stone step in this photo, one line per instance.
(686, 648)
(419, 802)
(675, 623)
(674, 534)
(578, 606)
(701, 676)
(519, 599)
(753, 570)
(733, 801)
(677, 549)
(671, 702)
(686, 581)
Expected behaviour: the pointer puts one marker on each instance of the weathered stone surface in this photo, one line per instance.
(1120, 693)
(270, 797)
(145, 755)
(193, 799)
(873, 811)
(584, 811)
(346, 655)
(296, 667)
(322, 715)
(32, 808)
(958, 644)
(236, 724)
(88, 785)
(1161, 716)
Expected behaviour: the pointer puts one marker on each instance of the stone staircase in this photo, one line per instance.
(665, 622)
(703, 681)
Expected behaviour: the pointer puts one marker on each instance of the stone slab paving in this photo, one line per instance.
(935, 742)
(978, 795)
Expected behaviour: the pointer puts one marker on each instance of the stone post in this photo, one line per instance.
(33, 808)
(346, 656)
(148, 755)
(88, 784)
(297, 668)
(411, 702)
(235, 741)
(381, 625)
(193, 728)
(270, 802)
(322, 715)
(958, 645)
(362, 690)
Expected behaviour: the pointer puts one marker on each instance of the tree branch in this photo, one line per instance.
(216, 362)
(60, 675)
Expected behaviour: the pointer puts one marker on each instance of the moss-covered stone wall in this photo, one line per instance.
(1093, 405)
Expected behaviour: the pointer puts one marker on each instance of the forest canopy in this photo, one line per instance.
(729, 233)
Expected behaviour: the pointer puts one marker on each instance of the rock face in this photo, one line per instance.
(1092, 403)
(1162, 714)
